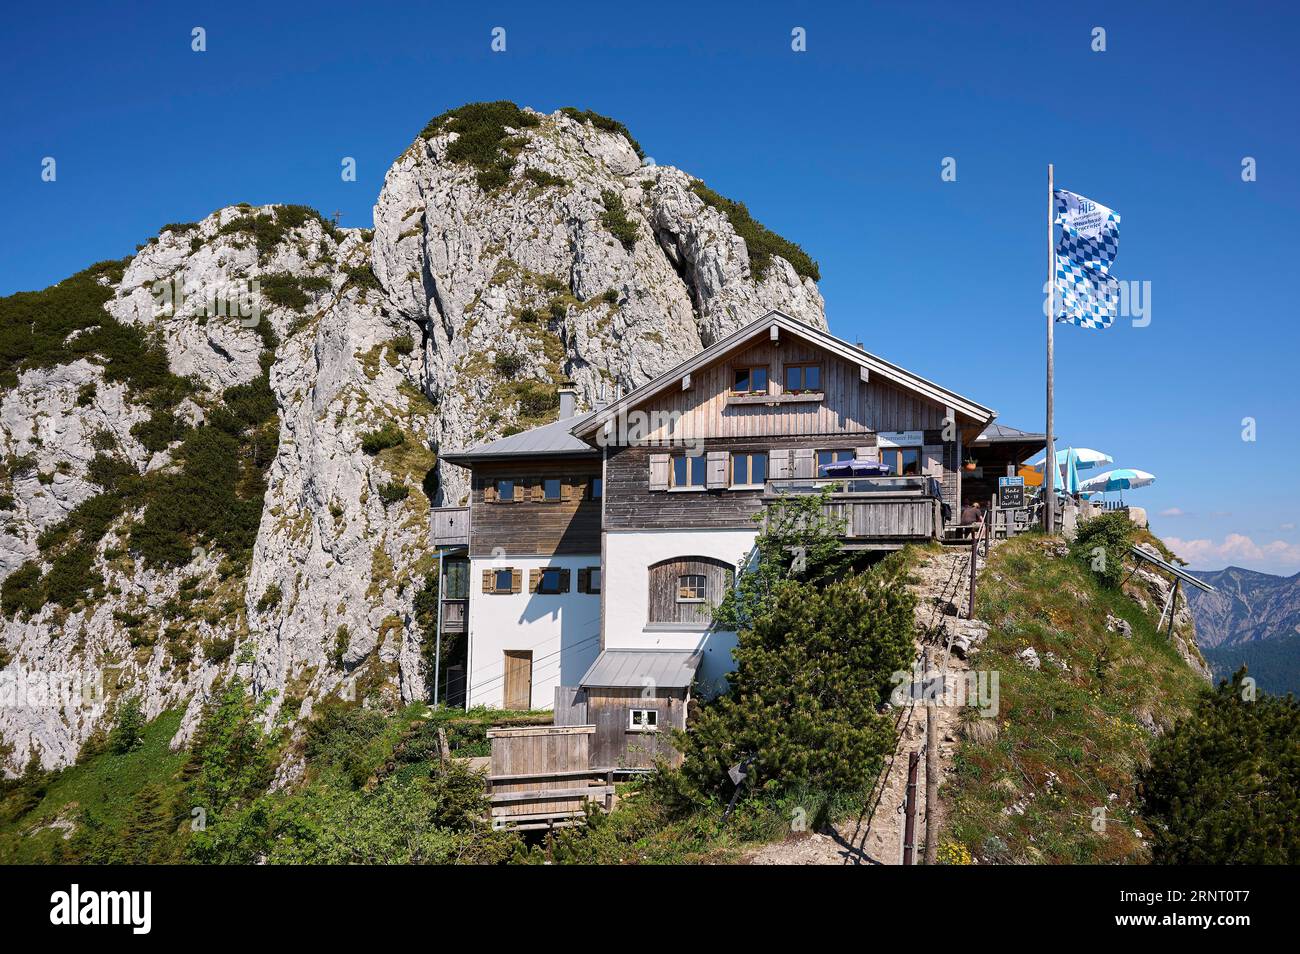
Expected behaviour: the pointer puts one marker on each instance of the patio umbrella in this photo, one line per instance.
(1071, 471)
(1085, 458)
(856, 468)
(1123, 478)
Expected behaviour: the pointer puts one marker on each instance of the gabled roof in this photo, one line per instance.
(786, 324)
(549, 440)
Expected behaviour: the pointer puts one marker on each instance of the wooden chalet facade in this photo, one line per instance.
(600, 544)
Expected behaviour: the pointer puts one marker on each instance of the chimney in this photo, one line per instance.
(568, 402)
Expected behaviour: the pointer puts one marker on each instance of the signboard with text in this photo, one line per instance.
(1011, 492)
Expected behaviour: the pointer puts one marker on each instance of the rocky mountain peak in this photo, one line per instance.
(219, 454)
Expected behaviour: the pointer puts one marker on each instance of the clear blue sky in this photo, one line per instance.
(838, 148)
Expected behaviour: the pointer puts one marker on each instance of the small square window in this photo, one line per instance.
(688, 471)
(503, 580)
(505, 490)
(803, 377)
(552, 489)
(748, 469)
(593, 580)
(643, 720)
(750, 381)
(691, 588)
(551, 581)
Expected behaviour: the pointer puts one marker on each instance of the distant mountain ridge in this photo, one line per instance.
(1248, 606)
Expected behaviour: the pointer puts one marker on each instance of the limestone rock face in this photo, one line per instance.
(452, 321)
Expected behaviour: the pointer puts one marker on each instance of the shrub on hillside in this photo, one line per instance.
(1102, 543)
(811, 675)
(1224, 786)
(389, 435)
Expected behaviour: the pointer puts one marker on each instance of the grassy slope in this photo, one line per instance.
(104, 784)
(1066, 741)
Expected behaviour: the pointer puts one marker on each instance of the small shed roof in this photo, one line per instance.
(630, 668)
(1000, 432)
(549, 440)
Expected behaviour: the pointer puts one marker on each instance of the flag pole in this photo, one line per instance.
(1049, 462)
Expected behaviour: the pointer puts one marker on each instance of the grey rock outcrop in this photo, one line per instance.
(480, 304)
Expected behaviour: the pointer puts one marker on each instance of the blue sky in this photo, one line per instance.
(838, 148)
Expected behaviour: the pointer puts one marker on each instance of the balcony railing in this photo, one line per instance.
(911, 486)
(876, 512)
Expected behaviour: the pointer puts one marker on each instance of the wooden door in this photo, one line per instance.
(519, 679)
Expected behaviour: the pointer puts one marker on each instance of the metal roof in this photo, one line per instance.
(634, 668)
(553, 440)
(1000, 432)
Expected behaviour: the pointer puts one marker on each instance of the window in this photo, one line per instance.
(551, 581)
(825, 457)
(503, 580)
(552, 489)
(691, 588)
(688, 471)
(505, 490)
(457, 574)
(750, 381)
(748, 469)
(643, 720)
(596, 488)
(803, 377)
(593, 580)
(903, 461)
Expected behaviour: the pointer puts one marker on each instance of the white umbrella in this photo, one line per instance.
(1123, 478)
(1085, 458)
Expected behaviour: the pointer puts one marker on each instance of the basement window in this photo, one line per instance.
(643, 720)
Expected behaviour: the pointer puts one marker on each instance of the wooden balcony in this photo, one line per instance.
(450, 527)
(878, 513)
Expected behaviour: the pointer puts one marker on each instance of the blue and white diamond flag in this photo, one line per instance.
(1086, 294)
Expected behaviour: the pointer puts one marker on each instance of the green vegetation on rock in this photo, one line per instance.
(761, 242)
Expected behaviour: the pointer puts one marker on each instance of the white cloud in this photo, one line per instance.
(1173, 512)
(1239, 550)
(1287, 526)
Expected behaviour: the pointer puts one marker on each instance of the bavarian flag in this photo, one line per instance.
(1086, 294)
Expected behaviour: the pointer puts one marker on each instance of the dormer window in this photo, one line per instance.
(750, 381)
(802, 378)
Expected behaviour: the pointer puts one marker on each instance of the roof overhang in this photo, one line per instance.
(960, 405)
(637, 668)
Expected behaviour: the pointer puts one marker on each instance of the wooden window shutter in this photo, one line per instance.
(489, 581)
(659, 471)
(564, 580)
(805, 461)
(534, 577)
(584, 580)
(716, 469)
(490, 491)
(933, 454)
(516, 579)
(536, 490)
(867, 453)
(778, 463)
(566, 489)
